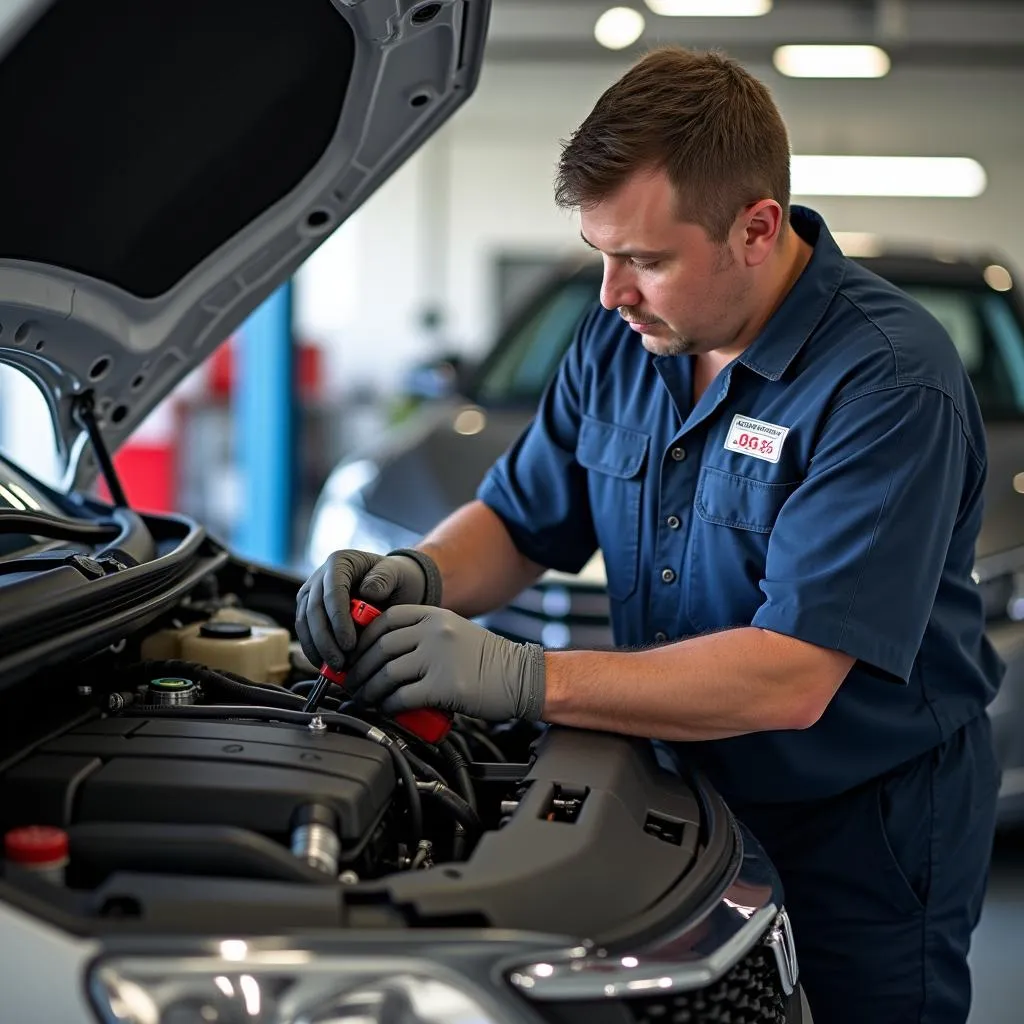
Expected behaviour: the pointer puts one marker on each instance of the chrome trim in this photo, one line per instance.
(780, 941)
(706, 948)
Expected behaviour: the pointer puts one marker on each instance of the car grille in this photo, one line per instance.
(750, 993)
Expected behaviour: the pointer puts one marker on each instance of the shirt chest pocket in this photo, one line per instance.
(728, 546)
(614, 458)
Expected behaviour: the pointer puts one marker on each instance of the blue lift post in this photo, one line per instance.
(264, 427)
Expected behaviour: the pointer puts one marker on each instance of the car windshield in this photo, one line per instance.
(987, 333)
(527, 357)
(984, 326)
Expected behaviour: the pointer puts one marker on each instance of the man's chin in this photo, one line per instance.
(665, 345)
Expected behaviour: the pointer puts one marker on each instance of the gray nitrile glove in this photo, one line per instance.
(323, 621)
(420, 657)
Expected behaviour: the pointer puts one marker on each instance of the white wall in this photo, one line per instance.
(418, 241)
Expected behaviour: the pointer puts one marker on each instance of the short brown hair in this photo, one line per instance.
(699, 116)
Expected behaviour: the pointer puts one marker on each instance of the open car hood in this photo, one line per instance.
(168, 165)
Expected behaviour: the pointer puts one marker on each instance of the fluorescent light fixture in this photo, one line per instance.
(832, 61)
(998, 278)
(619, 27)
(710, 8)
(929, 176)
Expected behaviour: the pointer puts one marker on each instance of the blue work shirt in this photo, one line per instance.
(826, 486)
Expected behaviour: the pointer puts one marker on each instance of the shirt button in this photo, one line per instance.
(668, 576)
(660, 637)
(672, 522)
(678, 454)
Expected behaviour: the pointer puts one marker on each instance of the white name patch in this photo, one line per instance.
(756, 437)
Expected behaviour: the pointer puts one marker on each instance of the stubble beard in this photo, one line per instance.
(680, 344)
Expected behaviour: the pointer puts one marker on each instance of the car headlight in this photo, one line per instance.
(338, 521)
(286, 987)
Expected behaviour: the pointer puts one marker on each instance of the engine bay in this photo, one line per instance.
(194, 790)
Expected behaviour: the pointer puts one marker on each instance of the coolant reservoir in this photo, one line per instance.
(260, 653)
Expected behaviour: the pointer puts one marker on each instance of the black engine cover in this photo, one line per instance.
(250, 776)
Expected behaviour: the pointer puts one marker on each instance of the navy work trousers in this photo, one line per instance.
(885, 883)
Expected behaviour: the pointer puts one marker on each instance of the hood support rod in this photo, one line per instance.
(84, 412)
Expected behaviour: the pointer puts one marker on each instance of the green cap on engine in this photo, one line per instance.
(170, 684)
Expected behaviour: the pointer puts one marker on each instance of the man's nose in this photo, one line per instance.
(617, 289)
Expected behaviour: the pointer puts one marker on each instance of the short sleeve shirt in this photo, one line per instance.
(826, 486)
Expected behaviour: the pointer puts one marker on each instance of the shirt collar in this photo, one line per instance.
(801, 310)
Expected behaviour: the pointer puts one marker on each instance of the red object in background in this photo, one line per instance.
(147, 473)
(147, 464)
(220, 372)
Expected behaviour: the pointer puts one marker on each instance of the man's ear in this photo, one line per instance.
(762, 223)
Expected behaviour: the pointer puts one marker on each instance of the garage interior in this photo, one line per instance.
(399, 307)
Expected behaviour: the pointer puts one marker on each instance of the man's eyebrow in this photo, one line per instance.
(643, 254)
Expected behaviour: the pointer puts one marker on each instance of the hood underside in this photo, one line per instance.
(170, 164)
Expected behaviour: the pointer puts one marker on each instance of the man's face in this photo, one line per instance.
(680, 291)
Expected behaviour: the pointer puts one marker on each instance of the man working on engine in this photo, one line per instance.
(781, 458)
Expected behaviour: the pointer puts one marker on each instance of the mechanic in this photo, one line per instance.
(781, 459)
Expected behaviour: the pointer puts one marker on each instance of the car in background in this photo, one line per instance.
(390, 493)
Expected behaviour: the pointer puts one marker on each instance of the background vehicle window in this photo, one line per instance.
(527, 360)
(988, 335)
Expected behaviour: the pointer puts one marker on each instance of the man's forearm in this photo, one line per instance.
(480, 567)
(710, 687)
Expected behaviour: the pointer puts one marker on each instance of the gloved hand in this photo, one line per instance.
(418, 657)
(323, 620)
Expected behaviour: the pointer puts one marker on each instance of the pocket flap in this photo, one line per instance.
(740, 501)
(609, 448)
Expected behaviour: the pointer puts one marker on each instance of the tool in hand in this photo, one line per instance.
(429, 724)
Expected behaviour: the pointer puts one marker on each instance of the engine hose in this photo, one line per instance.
(460, 743)
(419, 766)
(481, 738)
(344, 723)
(412, 791)
(460, 767)
(452, 802)
(217, 683)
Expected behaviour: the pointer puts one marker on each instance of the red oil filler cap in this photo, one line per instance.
(38, 848)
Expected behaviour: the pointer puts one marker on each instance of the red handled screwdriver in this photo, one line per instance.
(429, 724)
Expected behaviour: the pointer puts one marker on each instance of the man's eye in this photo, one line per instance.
(644, 264)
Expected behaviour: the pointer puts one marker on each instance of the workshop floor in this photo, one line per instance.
(997, 953)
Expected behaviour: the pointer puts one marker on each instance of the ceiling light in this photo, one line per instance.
(619, 27)
(710, 8)
(832, 61)
(932, 176)
(998, 278)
